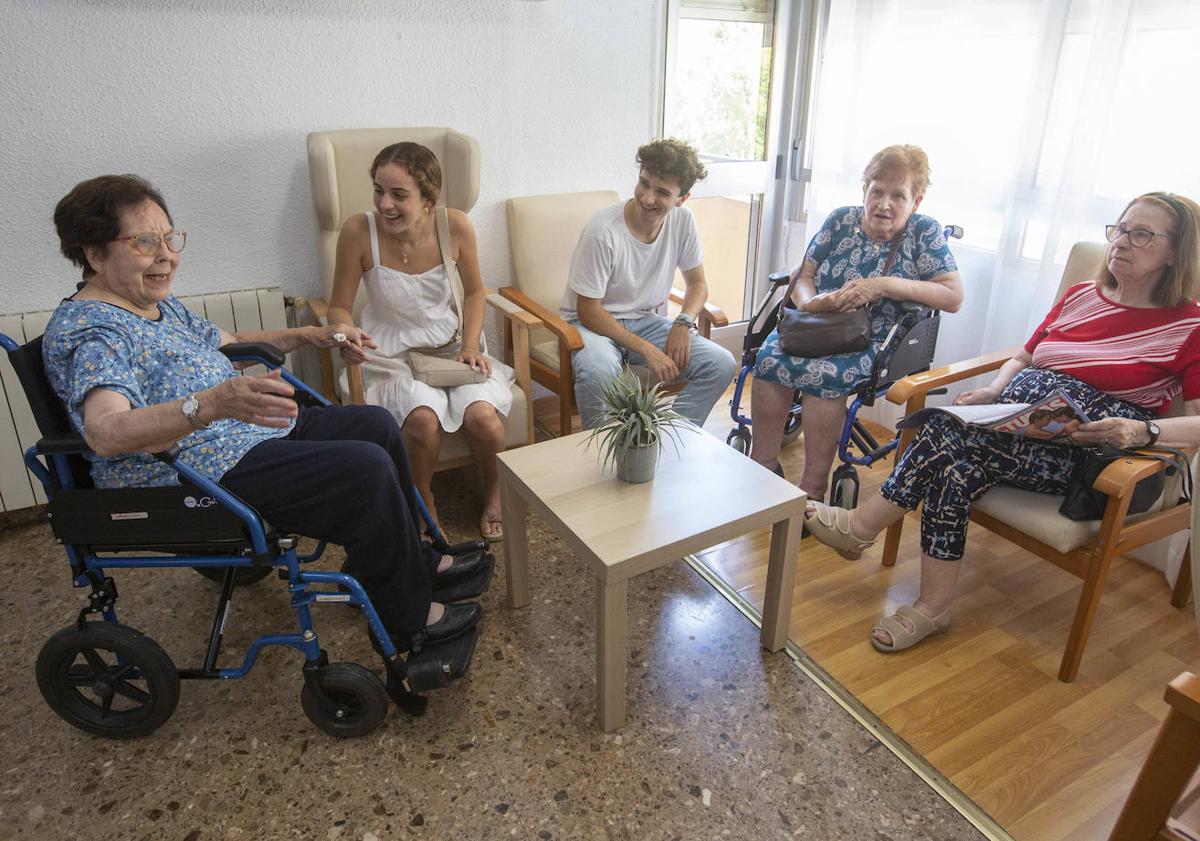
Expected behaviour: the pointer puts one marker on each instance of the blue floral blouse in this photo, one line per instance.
(91, 344)
(843, 252)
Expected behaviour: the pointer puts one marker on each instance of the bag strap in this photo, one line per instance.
(456, 287)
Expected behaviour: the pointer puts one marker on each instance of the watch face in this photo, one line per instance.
(1153, 427)
(190, 405)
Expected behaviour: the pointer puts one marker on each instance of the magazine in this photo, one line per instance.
(1054, 417)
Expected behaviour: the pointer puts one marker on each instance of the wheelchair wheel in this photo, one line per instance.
(739, 439)
(108, 679)
(791, 428)
(355, 703)
(843, 491)
(243, 577)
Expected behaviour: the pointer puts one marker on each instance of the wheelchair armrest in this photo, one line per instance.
(63, 443)
(268, 355)
(778, 279)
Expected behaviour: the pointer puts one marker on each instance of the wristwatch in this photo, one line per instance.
(191, 411)
(686, 320)
(1153, 430)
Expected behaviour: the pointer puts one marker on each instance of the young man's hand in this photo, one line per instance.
(679, 345)
(661, 365)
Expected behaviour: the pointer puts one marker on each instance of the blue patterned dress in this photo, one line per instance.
(843, 252)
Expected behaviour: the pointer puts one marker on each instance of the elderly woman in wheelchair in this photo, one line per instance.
(1122, 347)
(878, 255)
(139, 374)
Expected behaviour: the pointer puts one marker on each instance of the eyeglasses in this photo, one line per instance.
(147, 243)
(1138, 237)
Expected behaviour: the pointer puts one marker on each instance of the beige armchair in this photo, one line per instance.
(339, 171)
(543, 231)
(1031, 520)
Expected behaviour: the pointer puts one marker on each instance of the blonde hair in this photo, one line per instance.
(1180, 281)
(900, 160)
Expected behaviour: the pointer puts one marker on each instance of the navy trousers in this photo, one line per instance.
(342, 475)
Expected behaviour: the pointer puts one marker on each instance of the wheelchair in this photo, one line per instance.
(907, 349)
(111, 680)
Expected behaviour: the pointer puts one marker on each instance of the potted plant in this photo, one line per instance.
(635, 421)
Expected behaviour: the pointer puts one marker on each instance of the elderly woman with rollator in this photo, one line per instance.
(1122, 347)
(877, 255)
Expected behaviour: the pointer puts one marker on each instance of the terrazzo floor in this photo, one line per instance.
(724, 740)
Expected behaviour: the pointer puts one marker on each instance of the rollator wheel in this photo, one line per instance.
(355, 703)
(243, 577)
(843, 492)
(108, 679)
(792, 428)
(739, 439)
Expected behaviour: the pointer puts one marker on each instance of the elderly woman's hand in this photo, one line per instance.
(264, 400)
(476, 359)
(1113, 432)
(862, 291)
(978, 396)
(350, 341)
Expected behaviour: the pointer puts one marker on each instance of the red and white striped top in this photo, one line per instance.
(1145, 355)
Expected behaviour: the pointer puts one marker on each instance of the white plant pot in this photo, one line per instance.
(637, 464)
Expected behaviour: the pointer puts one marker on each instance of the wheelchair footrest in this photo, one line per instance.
(467, 588)
(437, 666)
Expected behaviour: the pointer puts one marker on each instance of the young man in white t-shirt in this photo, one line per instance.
(621, 277)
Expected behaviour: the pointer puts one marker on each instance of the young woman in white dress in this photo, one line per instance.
(396, 254)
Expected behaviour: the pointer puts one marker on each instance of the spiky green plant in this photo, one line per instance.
(634, 416)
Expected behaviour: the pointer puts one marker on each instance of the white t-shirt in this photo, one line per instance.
(632, 278)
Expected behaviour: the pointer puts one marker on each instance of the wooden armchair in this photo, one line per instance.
(543, 231)
(1171, 763)
(338, 167)
(1031, 520)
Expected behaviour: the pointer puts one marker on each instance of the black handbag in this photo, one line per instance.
(1083, 502)
(816, 334)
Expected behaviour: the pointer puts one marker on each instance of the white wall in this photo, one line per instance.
(211, 100)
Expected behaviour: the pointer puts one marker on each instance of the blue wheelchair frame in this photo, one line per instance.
(279, 551)
(907, 349)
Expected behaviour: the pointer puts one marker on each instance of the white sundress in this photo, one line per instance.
(406, 311)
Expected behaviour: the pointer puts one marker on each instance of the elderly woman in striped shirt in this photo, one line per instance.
(1123, 347)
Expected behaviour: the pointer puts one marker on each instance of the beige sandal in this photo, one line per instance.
(491, 527)
(831, 526)
(902, 638)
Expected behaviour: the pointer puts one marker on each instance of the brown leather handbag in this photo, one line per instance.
(817, 334)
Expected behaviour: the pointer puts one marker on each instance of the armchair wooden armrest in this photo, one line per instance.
(914, 388)
(568, 336)
(711, 316)
(319, 309)
(520, 323)
(1119, 478)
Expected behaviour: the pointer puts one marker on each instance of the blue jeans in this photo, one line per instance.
(709, 371)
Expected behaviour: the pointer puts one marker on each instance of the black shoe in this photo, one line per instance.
(457, 619)
(463, 566)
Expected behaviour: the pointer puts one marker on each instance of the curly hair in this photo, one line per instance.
(674, 160)
(420, 163)
(90, 215)
(900, 160)
(1180, 283)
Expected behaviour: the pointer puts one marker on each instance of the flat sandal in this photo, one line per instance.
(831, 526)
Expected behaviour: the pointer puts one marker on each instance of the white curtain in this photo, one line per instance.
(1041, 120)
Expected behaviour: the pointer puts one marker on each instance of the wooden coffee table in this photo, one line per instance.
(701, 496)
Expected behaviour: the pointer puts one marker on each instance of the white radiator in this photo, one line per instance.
(249, 309)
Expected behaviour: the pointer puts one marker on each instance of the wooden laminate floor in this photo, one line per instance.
(1048, 761)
